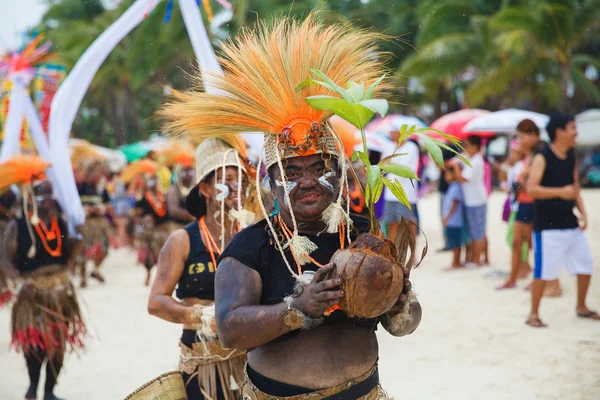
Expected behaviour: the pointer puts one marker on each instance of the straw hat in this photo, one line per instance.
(214, 153)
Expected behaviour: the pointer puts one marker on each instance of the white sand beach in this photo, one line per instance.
(472, 343)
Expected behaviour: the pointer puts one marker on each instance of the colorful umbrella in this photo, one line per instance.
(394, 122)
(134, 151)
(505, 121)
(454, 123)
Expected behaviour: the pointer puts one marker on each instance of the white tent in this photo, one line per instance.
(588, 128)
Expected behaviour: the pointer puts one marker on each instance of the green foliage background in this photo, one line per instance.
(446, 53)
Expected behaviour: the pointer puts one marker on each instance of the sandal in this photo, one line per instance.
(589, 315)
(535, 322)
(96, 275)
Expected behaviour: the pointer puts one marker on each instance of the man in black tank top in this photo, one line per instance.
(558, 238)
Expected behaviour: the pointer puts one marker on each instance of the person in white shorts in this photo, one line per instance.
(558, 238)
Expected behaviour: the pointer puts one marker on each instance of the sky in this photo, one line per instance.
(16, 16)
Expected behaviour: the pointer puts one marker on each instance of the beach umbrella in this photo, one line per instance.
(505, 121)
(394, 122)
(376, 141)
(134, 151)
(588, 128)
(453, 124)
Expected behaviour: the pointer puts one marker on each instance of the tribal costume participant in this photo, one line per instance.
(150, 213)
(90, 168)
(295, 352)
(46, 318)
(188, 262)
(7, 202)
(179, 157)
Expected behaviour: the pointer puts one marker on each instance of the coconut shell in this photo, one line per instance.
(372, 280)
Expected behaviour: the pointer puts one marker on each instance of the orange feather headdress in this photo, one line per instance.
(262, 70)
(85, 157)
(177, 152)
(22, 170)
(138, 168)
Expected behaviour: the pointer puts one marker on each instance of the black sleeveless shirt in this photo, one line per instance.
(198, 278)
(252, 248)
(556, 213)
(42, 258)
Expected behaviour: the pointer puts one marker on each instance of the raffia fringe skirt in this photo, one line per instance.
(151, 240)
(96, 233)
(208, 360)
(251, 392)
(46, 316)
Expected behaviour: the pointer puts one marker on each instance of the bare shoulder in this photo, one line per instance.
(177, 245)
(230, 265)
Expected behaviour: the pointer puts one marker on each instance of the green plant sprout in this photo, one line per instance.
(357, 106)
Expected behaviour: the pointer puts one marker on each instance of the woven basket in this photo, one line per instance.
(168, 386)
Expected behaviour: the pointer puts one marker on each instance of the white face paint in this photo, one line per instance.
(222, 191)
(288, 187)
(325, 183)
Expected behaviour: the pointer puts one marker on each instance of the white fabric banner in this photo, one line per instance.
(68, 99)
(209, 65)
(200, 43)
(11, 144)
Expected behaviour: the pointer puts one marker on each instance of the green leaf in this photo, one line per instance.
(387, 159)
(374, 185)
(452, 139)
(356, 91)
(434, 150)
(378, 106)
(354, 156)
(369, 94)
(362, 156)
(356, 114)
(306, 83)
(397, 190)
(331, 85)
(399, 170)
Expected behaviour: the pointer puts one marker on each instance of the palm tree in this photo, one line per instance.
(553, 30)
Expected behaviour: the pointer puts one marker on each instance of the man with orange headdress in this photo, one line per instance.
(274, 290)
(46, 319)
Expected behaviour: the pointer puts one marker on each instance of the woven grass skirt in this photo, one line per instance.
(207, 361)
(151, 241)
(96, 243)
(46, 315)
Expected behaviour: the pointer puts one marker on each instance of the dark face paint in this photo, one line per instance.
(309, 197)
